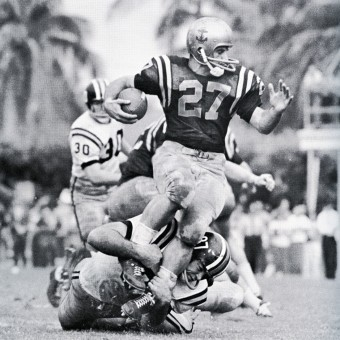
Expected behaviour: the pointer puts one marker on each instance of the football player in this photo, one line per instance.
(137, 187)
(98, 292)
(199, 95)
(96, 143)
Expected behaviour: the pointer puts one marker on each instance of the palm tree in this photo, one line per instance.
(41, 54)
(308, 34)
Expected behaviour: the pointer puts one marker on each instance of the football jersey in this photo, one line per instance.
(90, 143)
(198, 108)
(139, 162)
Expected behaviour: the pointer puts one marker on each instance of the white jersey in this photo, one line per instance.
(92, 142)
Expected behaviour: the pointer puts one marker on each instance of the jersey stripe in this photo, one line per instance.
(160, 79)
(168, 78)
(152, 133)
(239, 88)
(87, 137)
(174, 318)
(89, 133)
(249, 80)
(195, 299)
(166, 235)
(165, 79)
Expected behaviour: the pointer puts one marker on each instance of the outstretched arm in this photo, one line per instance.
(266, 120)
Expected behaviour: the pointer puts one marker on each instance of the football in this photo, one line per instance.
(139, 102)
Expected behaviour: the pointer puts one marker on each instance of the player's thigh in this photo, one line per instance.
(131, 198)
(174, 175)
(76, 310)
(90, 214)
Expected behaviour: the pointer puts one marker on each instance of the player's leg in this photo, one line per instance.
(76, 310)
(223, 296)
(130, 198)
(193, 223)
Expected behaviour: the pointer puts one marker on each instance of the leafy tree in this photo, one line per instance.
(40, 52)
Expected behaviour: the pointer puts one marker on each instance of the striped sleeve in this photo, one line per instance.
(86, 134)
(156, 78)
(248, 94)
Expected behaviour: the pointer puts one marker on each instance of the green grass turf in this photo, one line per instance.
(303, 309)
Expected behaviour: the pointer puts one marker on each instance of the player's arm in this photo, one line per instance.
(266, 120)
(241, 174)
(99, 176)
(147, 81)
(114, 239)
(112, 104)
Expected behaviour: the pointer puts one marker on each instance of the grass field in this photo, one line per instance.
(303, 309)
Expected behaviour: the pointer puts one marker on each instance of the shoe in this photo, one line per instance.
(133, 274)
(54, 287)
(73, 257)
(134, 309)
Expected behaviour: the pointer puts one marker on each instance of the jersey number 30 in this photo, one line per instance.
(194, 98)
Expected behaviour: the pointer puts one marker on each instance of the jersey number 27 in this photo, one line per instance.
(194, 98)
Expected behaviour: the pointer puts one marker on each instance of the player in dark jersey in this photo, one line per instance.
(199, 95)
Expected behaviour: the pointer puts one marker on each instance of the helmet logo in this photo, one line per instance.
(201, 38)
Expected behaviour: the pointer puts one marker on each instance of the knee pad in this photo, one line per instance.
(180, 187)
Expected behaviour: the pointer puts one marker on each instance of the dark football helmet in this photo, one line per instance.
(213, 253)
(204, 36)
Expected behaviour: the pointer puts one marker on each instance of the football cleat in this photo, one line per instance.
(54, 287)
(134, 309)
(133, 274)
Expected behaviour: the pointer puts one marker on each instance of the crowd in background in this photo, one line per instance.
(36, 230)
(276, 240)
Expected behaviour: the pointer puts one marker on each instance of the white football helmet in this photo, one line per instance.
(94, 95)
(204, 36)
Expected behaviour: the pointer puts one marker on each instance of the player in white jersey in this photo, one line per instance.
(95, 142)
(98, 290)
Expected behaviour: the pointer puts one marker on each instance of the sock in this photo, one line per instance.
(142, 234)
(246, 272)
(250, 300)
(168, 276)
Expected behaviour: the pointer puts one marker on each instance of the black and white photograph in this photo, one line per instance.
(169, 169)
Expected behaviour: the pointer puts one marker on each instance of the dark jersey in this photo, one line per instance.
(139, 162)
(198, 108)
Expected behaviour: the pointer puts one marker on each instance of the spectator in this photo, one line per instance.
(327, 223)
(44, 243)
(253, 232)
(300, 226)
(279, 234)
(19, 232)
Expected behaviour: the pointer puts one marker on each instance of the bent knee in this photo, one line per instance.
(191, 236)
(180, 187)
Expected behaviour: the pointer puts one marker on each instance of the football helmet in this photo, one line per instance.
(214, 255)
(204, 36)
(94, 94)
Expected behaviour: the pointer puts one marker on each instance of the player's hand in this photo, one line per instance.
(264, 310)
(113, 108)
(160, 290)
(280, 99)
(265, 180)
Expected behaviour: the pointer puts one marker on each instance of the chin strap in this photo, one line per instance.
(217, 66)
(191, 285)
